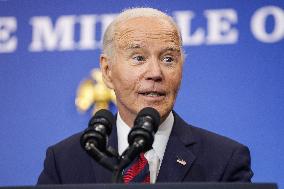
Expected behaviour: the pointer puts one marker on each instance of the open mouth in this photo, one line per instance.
(152, 93)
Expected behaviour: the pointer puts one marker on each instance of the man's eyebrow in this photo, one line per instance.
(133, 46)
(172, 48)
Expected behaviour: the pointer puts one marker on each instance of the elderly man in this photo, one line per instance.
(142, 62)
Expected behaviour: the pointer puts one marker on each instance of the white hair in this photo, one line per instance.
(129, 14)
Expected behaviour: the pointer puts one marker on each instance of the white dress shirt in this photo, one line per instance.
(155, 155)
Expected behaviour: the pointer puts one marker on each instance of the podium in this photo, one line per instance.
(154, 186)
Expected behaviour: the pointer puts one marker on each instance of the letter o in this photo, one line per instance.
(258, 24)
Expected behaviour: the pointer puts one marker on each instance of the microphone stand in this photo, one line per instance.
(102, 158)
(108, 157)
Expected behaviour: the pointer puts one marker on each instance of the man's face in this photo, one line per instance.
(146, 67)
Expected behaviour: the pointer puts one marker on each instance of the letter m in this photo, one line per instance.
(48, 37)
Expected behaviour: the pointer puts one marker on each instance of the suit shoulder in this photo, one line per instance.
(212, 138)
(204, 137)
(69, 155)
(68, 145)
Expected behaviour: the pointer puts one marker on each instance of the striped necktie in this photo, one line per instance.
(137, 171)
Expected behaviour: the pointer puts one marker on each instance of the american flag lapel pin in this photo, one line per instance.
(181, 161)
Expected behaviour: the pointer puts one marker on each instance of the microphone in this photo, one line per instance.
(145, 126)
(99, 128)
(141, 136)
(95, 138)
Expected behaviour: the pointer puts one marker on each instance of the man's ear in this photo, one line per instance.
(106, 70)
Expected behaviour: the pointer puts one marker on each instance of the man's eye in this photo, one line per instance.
(139, 58)
(168, 59)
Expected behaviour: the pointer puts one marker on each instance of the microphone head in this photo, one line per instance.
(104, 117)
(145, 126)
(99, 128)
(153, 113)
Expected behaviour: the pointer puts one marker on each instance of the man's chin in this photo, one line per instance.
(163, 111)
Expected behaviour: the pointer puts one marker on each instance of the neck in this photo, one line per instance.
(128, 118)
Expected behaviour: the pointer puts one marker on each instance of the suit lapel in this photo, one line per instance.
(103, 175)
(178, 158)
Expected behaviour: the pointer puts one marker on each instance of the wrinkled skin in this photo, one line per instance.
(145, 69)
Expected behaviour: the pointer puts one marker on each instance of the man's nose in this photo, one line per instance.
(154, 71)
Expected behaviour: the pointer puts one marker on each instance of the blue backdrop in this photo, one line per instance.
(233, 80)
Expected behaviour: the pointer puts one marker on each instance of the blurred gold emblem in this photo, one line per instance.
(93, 92)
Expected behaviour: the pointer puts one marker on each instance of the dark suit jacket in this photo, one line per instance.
(209, 157)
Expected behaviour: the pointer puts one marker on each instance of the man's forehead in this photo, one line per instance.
(138, 32)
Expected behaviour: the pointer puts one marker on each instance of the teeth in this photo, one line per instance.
(152, 94)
